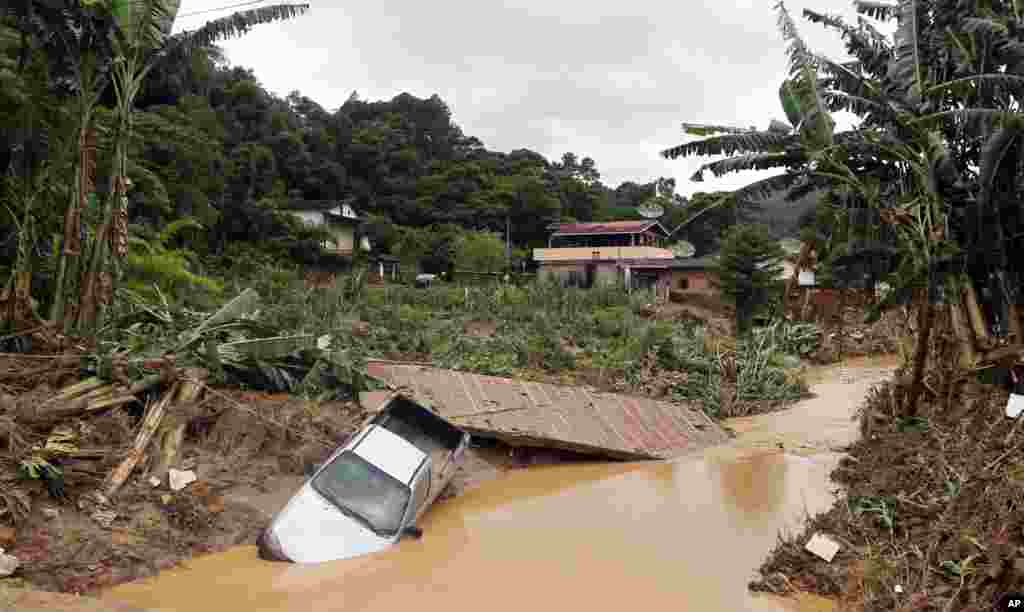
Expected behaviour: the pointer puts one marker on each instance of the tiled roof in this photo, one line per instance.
(605, 227)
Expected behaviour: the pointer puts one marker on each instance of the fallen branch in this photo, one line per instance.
(99, 397)
(150, 424)
(172, 434)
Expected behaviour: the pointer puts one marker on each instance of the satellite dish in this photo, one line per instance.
(651, 210)
(683, 249)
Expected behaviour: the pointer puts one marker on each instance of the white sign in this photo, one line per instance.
(806, 278)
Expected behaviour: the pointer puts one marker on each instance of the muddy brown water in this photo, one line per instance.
(683, 535)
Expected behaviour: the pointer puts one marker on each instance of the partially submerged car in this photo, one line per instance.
(371, 492)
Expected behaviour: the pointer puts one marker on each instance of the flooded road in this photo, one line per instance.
(681, 535)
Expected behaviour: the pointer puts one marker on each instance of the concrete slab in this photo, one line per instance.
(526, 413)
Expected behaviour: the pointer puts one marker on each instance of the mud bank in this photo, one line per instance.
(684, 535)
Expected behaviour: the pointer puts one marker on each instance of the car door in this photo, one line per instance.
(420, 492)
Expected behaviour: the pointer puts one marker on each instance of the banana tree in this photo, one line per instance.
(69, 41)
(142, 42)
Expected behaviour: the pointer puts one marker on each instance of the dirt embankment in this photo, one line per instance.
(931, 514)
(247, 451)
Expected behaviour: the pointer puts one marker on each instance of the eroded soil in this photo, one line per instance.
(683, 535)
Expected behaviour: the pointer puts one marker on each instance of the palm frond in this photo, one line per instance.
(705, 129)
(972, 25)
(847, 78)
(906, 78)
(180, 46)
(750, 161)
(799, 54)
(732, 144)
(175, 227)
(992, 155)
(872, 49)
(975, 121)
(1009, 81)
(151, 184)
(883, 11)
(773, 185)
(800, 96)
(841, 101)
(143, 24)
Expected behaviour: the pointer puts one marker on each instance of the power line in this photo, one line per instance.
(221, 8)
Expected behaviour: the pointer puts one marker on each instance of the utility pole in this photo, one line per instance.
(508, 241)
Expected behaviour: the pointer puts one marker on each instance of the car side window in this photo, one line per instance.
(422, 488)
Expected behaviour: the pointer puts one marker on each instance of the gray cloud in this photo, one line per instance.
(608, 79)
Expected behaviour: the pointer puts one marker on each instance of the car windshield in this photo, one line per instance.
(365, 492)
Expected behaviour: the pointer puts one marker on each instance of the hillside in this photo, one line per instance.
(213, 145)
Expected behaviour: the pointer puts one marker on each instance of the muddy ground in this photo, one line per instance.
(248, 464)
(931, 514)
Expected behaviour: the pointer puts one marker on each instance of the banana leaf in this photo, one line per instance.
(265, 348)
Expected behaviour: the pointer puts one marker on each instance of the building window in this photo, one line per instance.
(684, 283)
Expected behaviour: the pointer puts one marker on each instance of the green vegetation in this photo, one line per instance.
(162, 128)
(924, 194)
(599, 336)
(747, 269)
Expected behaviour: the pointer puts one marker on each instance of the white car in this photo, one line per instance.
(370, 492)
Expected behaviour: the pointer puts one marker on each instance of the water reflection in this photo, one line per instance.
(686, 534)
(753, 485)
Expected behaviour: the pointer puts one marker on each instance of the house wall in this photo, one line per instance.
(604, 274)
(344, 237)
(577, 253)
(698, 281)
(309, 217)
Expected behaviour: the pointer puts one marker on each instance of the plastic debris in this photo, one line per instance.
(8, 564)
(1014, 405)
(179, 479)
(823, 547)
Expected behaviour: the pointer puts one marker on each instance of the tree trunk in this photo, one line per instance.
(975, 316)
(805, 308)
(92, 395)
(967, 356)
(172, 434)
(150, 424)
(1013, 316)
(793, 281)
(925, 319)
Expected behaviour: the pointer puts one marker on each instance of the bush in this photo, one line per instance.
(612, 322)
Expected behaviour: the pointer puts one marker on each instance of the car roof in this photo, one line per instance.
(391, 453)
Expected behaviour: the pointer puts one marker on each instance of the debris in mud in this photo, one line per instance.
(8, 564)
(930, 518)
(822, 546)
(178, 479)
(104, 518)
(7, 536)
(88, 435)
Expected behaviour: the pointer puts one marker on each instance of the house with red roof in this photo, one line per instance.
(633, 254)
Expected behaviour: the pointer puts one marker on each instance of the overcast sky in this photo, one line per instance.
(609, 79)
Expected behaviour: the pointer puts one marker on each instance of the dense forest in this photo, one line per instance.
(211, 144)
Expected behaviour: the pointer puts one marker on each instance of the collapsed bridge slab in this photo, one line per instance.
(529, 413)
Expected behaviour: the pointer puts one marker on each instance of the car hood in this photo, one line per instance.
(311, 530)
